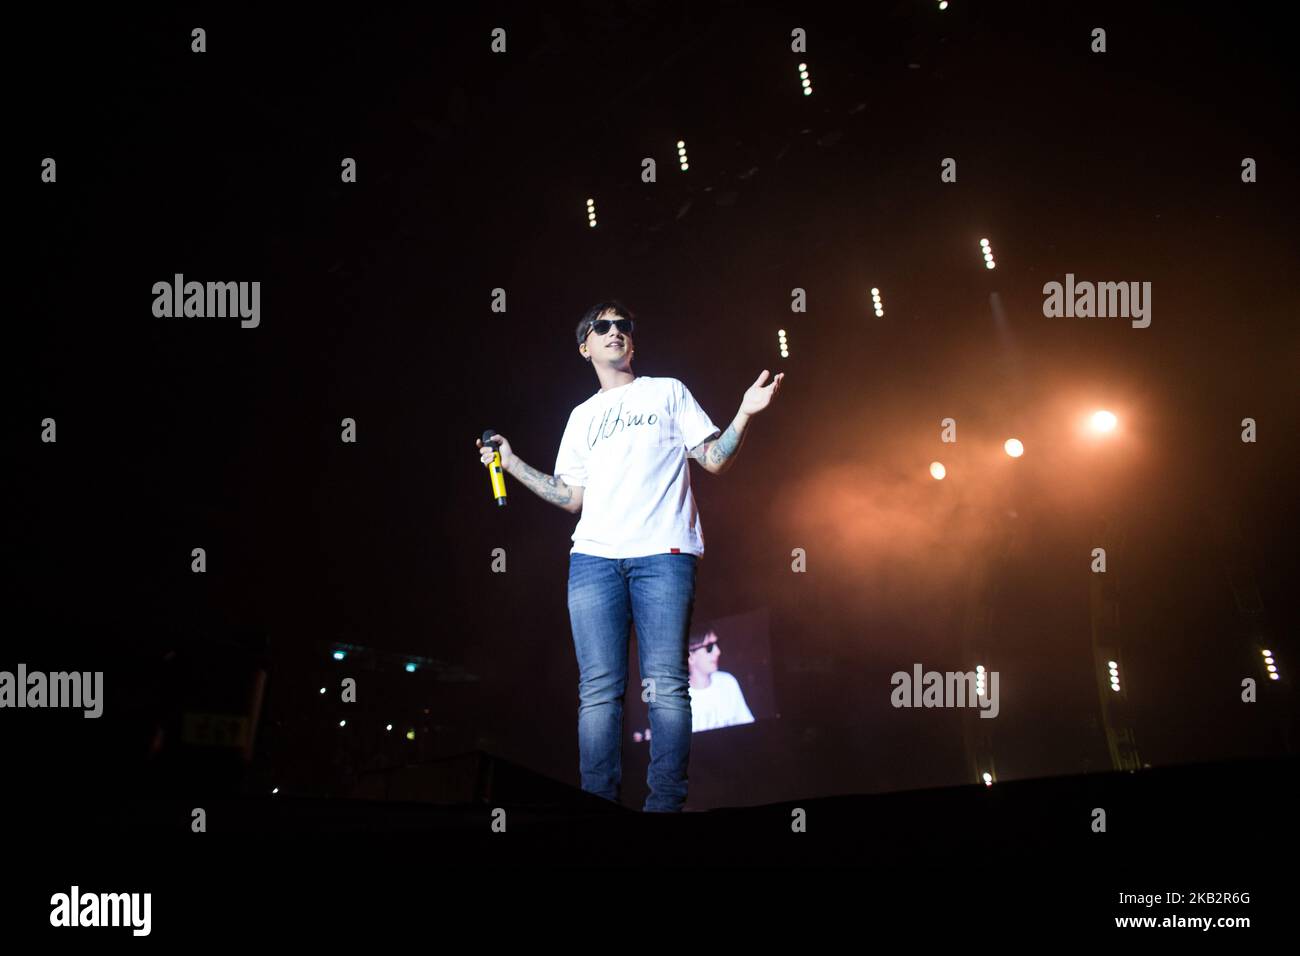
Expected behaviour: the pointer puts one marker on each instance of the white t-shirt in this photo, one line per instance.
(627, 449)
(721, 704)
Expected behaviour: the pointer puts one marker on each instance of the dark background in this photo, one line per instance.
(474, 170)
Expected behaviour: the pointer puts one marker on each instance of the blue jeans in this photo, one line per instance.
(657, 592)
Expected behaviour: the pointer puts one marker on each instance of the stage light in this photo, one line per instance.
(1014, 448)
(979, 680)
(322, 690)
(389, 727)
(988, 253)
(1104, 421)
(803, 75)
(937, 471)
(782, 344)
(343, 723)
(339, 655)
(410, 668)
(988, 779)
(1270, 665)
(410, 734)
(878, 301)
(591, 213)
(1113, 667)
(681, 155)
(943, 4)
(275, 790)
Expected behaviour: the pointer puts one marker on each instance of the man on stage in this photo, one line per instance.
(622, 465)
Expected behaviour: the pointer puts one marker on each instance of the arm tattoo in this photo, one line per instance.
(716, 453)
(725, 447)
(701, 451)
(547, 487)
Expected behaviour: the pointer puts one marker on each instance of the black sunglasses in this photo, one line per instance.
(707, 648)
(601, 326)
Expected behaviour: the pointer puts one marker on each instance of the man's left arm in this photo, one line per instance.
(717, 454)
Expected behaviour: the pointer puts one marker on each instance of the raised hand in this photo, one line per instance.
(758, 396)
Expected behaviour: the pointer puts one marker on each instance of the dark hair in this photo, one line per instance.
(697, 637)
(596, 311)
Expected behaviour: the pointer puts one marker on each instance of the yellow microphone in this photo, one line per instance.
(498, 477)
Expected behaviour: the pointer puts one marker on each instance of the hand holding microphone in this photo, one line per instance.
(496, 454)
